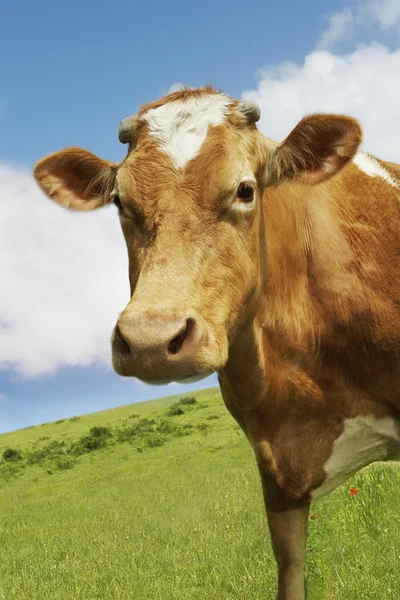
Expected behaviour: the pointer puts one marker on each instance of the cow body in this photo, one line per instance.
(324, 398)
(288, 287)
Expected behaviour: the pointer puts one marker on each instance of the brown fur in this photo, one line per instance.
(298, 301)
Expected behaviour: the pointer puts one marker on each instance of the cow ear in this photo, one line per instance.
(317, 148)
(76, 178)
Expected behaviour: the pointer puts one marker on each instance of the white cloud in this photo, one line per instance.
(364, 84)
(64, 279)
(385, 12)
(341, 25)
(340, 28)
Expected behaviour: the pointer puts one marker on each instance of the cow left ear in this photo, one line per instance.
(317, 148)
(76, 178)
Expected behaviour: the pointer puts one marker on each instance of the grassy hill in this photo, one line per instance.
(161, 500)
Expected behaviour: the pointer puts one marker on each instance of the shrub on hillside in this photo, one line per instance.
(147, 430)
(139, 429)
(187, 400)
(64, 462)
(49, 451)
(186, 429)
(126, 434)
(202, 426)
(99, 431)
(10, 470)
(95, 439)
(154, 440)
(175, 410)
(12, 455)
(165, 426)
(145, 425)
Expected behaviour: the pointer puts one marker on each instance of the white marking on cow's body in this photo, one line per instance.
(370, 166)
(181, 126)
(364, 440)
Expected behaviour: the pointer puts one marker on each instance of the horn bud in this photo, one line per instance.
(251, 110)
(127, 130)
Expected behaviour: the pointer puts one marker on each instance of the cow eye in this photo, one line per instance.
(245, 192)
(117, 203)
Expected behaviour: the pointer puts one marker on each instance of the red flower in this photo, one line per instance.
(353, 491)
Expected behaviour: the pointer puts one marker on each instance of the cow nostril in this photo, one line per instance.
(176, 344)
(120, 341)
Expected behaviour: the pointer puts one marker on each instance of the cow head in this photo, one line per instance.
(190, 201)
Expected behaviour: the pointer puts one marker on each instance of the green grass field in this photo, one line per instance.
(152, 505)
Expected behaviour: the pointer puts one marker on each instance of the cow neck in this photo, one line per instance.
(298, 220)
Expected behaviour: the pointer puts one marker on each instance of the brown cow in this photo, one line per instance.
(276, 265)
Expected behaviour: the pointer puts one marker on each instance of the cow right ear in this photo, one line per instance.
(317, 148)
(76, 178)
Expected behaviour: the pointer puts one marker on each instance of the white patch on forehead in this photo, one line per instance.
(371, 167)
(181, 126)
(363, 441)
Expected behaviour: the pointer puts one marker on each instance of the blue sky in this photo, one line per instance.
(69, 73)
(74, 69)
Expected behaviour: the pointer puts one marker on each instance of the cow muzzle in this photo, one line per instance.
(159, 349)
